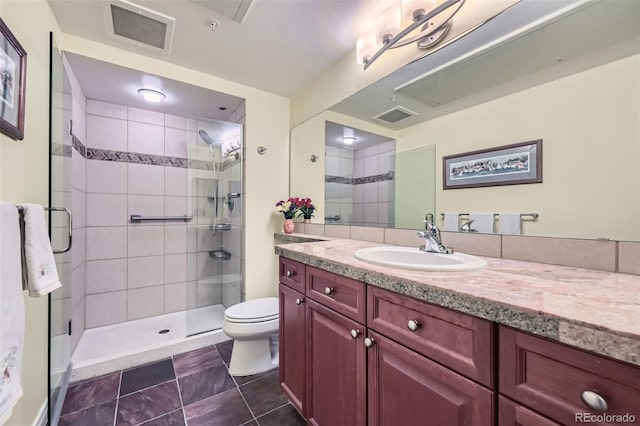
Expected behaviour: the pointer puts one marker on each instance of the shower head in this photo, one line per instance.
(205, 137)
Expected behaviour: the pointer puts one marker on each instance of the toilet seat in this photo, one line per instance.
(253, 311)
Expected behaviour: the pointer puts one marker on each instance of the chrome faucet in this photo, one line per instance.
(466, 227)
(432, 240)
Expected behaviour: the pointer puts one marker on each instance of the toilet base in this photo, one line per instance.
(250, 357)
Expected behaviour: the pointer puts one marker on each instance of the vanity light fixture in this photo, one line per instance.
(151, 95)
(425, 23)
(348, 137)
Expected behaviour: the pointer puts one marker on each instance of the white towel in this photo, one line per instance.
(451, 222)
(39, 274)
(510, 223)
(482, 222)
(11, 310)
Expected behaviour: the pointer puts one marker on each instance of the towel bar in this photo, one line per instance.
(523, 215)
(69, 225)
(136, 218)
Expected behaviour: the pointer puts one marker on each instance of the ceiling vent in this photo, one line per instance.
(394, 115)
(139, 26)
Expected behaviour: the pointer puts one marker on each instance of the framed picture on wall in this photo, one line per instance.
(504, 165)
(13, 71)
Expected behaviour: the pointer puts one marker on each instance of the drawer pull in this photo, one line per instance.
(355, 333)
(328, 290)
(299, 301)
(290, 273)
(413, 325)
(368, 342)
(594, 400)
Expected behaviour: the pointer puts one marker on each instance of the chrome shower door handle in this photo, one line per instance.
(69, 225)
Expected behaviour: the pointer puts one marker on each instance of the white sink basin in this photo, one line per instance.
(415, 259)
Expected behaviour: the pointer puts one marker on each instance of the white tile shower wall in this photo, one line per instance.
(135, 270)
(339, 197)
(373, 202)
(78, 208)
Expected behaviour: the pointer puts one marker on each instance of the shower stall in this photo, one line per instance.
(158, 232)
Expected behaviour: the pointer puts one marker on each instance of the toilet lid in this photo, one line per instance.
(265, 309)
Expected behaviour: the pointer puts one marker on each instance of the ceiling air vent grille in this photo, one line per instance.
(140, 26)
(395, 114)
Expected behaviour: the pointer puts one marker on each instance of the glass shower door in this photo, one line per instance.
(214, 238)
(60, 196)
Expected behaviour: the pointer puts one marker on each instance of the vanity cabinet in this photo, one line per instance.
(367, 370)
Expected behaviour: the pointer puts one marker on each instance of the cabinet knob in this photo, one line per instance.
(299, 301)
(289, 273)
(328, 290)
(355, 333)
(594, 400)
(413, 325)
(368, 342)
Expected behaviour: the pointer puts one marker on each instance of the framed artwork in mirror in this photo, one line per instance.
(13, 71)
(504, 165)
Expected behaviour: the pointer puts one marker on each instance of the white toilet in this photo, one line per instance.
(254, 327)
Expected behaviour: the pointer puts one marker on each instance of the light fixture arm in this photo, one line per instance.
(395, 41)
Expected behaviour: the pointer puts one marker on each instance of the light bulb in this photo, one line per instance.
(366, 47)
(388, 24)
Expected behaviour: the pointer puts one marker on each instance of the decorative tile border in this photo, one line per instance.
(136, 158)
(61, 150)
(79, 146)
(361, 180)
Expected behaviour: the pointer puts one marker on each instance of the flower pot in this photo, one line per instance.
(287, 226)
(307, 219)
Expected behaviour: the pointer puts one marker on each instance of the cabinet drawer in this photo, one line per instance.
(292, 274)
(459, 341)
(550, 378)
(514, 414)
(339, 293)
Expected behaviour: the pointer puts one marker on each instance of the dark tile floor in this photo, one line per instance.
(192, 389)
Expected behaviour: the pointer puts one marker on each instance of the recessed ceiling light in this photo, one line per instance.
(151, 95)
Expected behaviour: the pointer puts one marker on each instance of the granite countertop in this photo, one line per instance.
(593, 310)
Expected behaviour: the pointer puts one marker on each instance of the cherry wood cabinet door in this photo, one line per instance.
(336, 369)
(408, 389)
(514, 414)
(293, 346)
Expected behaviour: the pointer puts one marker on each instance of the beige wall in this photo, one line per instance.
(267, 176)
(307, 178)
(591, 151)
(24, 172)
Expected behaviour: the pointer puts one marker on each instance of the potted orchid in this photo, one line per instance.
(306, 209)
(289, 209)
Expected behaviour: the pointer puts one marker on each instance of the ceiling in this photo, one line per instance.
(107, 82)
(279, 46)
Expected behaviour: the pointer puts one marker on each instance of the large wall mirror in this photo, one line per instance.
(566, 81)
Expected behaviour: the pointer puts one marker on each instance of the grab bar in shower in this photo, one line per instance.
(136, 218)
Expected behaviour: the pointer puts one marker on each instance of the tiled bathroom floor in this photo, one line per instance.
(192, 389)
